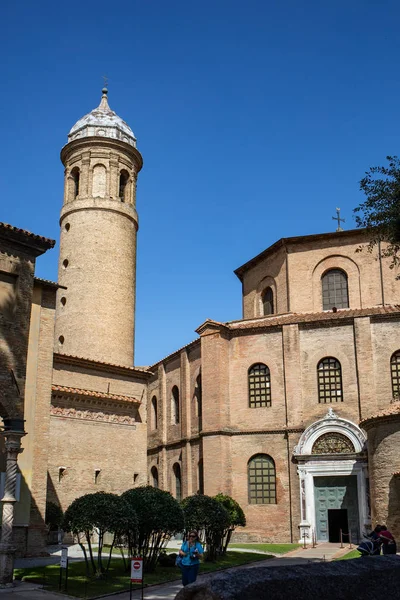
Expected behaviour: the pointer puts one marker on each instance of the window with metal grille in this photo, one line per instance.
(262, 480)
(259, 386)
(395, 372)
(329, 380)
(268, 301)
(335, 291)
(178, 481)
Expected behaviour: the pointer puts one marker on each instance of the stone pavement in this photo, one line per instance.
(323, 551)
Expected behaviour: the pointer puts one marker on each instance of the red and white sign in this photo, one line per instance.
(137, 570)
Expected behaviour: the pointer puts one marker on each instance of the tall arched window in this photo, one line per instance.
(175, 405)
(335, 291)
(259, 386)
(154, 477)
(395, 373)
(178, 481)
(329, 380)
(197, 397)
(268, 301)
(262, 480)
(154, 413)
(200, 470)
(123, 181)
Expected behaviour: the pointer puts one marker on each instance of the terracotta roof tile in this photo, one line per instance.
(49, 283)
(391, 410)
(61, 356)
(104, 396)
(291, 318)
(23, 232)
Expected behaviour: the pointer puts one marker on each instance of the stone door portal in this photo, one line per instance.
(336, 507)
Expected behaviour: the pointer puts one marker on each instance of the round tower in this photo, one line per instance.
(95, 314)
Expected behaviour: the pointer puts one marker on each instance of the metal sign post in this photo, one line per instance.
(63, 565)
(136, 573)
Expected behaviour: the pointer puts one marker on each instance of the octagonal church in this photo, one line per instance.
(293, 410)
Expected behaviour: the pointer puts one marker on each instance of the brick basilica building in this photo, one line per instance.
(292, 410)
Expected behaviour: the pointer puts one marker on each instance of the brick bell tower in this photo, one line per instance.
(95, 314)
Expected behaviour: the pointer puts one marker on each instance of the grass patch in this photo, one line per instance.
(275, 548)
(351, 554)
(118, 579)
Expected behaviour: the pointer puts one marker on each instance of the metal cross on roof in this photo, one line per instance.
(338, 219)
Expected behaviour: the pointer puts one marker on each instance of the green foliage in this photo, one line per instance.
(54, 516)
(207, 515)
(236, 516)
(380, 212)
(159, 517)
(99, 513)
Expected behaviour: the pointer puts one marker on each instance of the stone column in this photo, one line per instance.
(7, 550)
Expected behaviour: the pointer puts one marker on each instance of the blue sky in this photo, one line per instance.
(255, 120)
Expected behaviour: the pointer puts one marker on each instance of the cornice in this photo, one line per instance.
(85, 143)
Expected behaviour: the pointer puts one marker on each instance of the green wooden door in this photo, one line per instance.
(334, 493)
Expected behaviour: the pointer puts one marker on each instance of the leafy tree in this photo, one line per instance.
(236, 516)
(159, 517)
(100, 512)
(54, 516)
(380, 213)
(207, 515)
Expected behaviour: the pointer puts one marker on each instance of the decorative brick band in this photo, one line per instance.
(90, 415)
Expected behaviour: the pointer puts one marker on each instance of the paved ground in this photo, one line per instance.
(26, 591)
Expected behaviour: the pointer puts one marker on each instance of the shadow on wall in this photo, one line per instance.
(393, 523)
(15, 308)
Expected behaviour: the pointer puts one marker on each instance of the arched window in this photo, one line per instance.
(200, 472)
(178, 481)
(262, 480)
(175, 405)
(74, 184)
(197, 397)
(333, 443)
(259, 386)
(123, 181)
(268, 301)
(395, 372)
(329, 380)
(154, 413)
(154, 477)
(335, 291)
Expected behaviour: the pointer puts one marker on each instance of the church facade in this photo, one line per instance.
(293, 409)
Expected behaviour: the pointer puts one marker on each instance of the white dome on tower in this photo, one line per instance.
(102, 122)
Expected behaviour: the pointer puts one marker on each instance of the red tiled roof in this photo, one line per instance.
(49, 283)
(390, 411)
(23, 232)
(92, 363)
(103, 395)
(289, 318)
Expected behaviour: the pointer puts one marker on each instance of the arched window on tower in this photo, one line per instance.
(74, 184)
(259, 386)
(123, 185)
(154, 413)
(178, 481)
(262, 480)
(329, 380)
(175, 405)
(335, 292)
(268, 301)
(154, 477)
(395, 373)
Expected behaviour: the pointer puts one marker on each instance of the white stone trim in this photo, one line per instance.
(330, 423)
